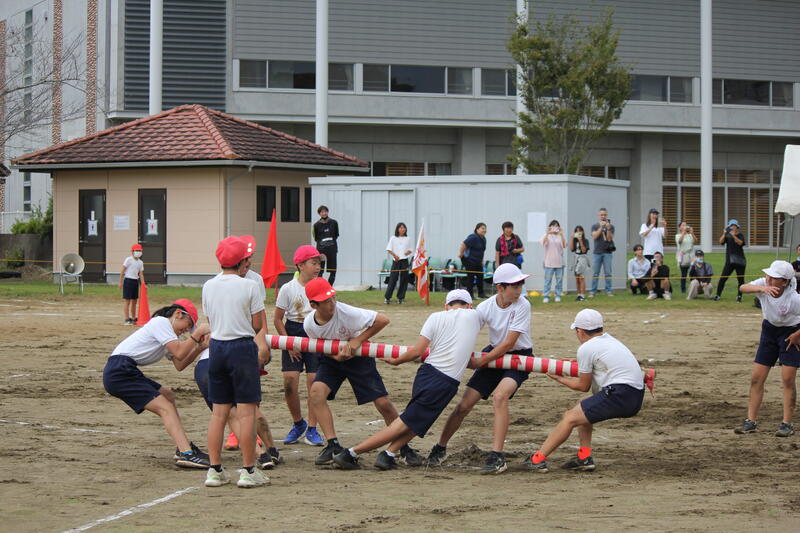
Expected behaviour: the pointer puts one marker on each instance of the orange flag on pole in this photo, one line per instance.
(273, 263)
(420, 266)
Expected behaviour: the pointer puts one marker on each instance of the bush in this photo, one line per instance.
(15, 258)
(40, 223)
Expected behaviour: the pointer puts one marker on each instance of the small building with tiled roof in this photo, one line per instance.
(177, 182)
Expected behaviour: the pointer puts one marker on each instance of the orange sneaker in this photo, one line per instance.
(650, 380)
(232, 443)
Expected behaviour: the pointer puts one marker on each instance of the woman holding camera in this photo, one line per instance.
(652, 233)
(579, 245)
(734, 242)
(684, 242)
(554, 244)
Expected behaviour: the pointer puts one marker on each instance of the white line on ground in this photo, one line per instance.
(48, 426)
(374, 422)
(132, 510)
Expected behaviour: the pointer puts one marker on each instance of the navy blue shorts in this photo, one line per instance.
(772, 346)
(431, 393)
(308, 360)
(201, 378)
(123, 379)
(613, 401)
(130, 289)
(233, 372)
(485, 380)
(361, 372)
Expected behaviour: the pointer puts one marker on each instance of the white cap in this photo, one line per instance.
(508, 273)
(457, 294)
(780, 269)
(588, 319)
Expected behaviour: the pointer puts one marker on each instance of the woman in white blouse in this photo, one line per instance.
(399, 248)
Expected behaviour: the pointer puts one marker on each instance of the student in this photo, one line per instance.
(509, 319)
(293, 305)
(658, 284)
(780, 307)
(700, 274)
(130, 275)
(638, 270)
(610, 369)
(335, 320)
(156, 339)
(400, 249)
(451, 335)
(579, 245)
(652, 233)
(234, 310)
(684, 244)
(554, 243)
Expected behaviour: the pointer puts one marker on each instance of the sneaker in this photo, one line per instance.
(652, 296)
(546, 300)
(581, 465)
(748, 426)
(232, 443)
(591, 295)
(276, 457)
(716, 298)
(387, 301)
(400, 302)
(295, 433)
(217, 479)
(195, 449)
(410, 456)
(437, 455)
(313, 438)
(265, 461)
(325, 457)
(384, 461)
(558, 299)
(739, 299)
(192, 459)
(580, 298)
(249, 481)
(538, 467)
(667, 296)
(495, 464)
(345, 461)
(609, 294)
(785, 430)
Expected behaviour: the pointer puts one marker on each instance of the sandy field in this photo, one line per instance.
(71, 456)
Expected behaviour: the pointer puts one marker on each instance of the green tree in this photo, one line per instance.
(573, 87)
(40, 222)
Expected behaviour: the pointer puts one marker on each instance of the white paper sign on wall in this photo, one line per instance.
(152, 224)
(122, 222)
(91, 226)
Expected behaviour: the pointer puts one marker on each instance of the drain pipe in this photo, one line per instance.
(229, 199)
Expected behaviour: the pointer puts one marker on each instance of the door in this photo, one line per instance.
(92, 233)
(153, 233)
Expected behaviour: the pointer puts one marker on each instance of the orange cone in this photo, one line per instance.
(144, 306)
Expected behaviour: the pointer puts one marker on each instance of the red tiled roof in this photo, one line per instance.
(189, 133)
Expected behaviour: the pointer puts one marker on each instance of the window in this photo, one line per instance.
(439, 169)
(618, 173)
(782, 94)
(680, 90)
(415, 79)
(340, 76)
(397, 169)
(649, 88)
(265, 203)
(376, 78)
(493, 82)
(290, 204)
(459, 80)
(252, 73)
(29, 17)
(753, 92)
(26, 191)
(500, 169)
(307, 206)
(292, 74)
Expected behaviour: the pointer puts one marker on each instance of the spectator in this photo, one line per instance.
(399, 248)
(684, 241)
(700, 274)
(554, 244)
(638, 270)
(325, 232)
(658, 285)
(796, 267)
(579, 245)
(603, 235)
(508, 248)
(652, 233)
(471, 253)
(734, 242)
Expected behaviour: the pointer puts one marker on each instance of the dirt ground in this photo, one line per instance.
(71, 455)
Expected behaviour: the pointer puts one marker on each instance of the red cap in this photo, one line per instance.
(319, 290)
(190, 308)
(250, 241)
(230, 251)
(304, 253)
(136, 248)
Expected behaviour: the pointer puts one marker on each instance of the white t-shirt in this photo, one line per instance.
(654, 241)
(292, 299)
(452, 334)
(610, 362)
(781, 311)
(347, 322)
(132, 267)
(515, 317)
(229, 301)
(400, 245)
(255, 276)
(148, 345)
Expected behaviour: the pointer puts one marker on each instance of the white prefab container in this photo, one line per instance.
(368, 208)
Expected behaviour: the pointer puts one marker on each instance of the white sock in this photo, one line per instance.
(390, 454)
(352, 453)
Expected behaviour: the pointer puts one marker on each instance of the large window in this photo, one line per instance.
(498, 82)
(753, 92)
(661, 89)
(292, 75)
(459, 80)
(265, 203)
(252, 73)
(417, 79)
(290, 204)
(26, 191)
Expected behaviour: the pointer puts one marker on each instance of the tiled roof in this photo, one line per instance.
(189, 133)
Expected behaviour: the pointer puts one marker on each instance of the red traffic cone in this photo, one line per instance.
(144, 306)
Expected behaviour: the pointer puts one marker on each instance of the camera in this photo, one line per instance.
(688, 228)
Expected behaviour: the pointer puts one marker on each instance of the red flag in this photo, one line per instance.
(273, 263)
(420, 266)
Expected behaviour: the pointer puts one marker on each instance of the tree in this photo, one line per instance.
(573, 87)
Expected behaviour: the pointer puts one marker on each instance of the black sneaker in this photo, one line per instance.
(716, 298)
(195, 449)
(495, 464)
(325, 457)
(739, 299)
(345, 461)
(748, 426)
(437, 455)
(785, 430)
(276, 457)
(387, 301)
(582, 465)
(192, 460)
(538, 467)
(580, 298)
(265, 461)
(384, 461)
(410, 456)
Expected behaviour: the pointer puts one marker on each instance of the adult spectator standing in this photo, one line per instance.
(652, 233)
(700, 274)
(796, 267)
(508, 248)
(579, 246)
(326, 231)
(684, 243)
(603, 235)
(554, 243)
(658, 285)
(638, 270)
(734, 242)
(400, 249)
(470, 251)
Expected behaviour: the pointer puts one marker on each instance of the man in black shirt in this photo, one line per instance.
(734, 242)
(326, 231)
(603, 235)
(659, 285)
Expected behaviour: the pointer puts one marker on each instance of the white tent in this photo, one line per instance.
(789, 194)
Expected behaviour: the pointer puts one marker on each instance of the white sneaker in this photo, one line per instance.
(248, 481)
(558, 299)
(546, 300)
(652, 296)
(217, 479)
(667, 296)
